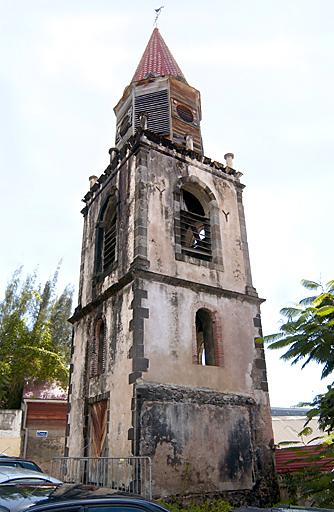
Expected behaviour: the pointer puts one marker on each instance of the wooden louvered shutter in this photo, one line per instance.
(98, 427)
(156, 106)
(92, 357)
(101, 344)
(109, 239)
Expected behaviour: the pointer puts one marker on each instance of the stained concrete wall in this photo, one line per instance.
(121, 187)
(43, 449)
(113, 384)
(10, 431)
(170, 336)
(200, 442)
(164, 177)
(149, 301)
(204, 443)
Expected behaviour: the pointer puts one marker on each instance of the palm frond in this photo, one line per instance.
(325, 310)
(330, 286)
(310, 285)
(321, 298)
(272, 337)
(307, 301)
(290, 312)
(318, 438)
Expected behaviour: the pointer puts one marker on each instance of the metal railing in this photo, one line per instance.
(131, 475)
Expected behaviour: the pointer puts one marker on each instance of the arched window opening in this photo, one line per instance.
(205, 339)
(98, 350)
(107, 239)
(101, 346)
(195, 228)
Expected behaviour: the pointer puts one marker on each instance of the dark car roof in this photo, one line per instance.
(13, 457)
(50, 505)
(7, 458)
(17, 497)
(88, 495)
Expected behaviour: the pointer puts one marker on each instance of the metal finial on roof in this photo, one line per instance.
(158, 12)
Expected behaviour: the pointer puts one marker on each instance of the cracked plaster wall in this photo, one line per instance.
(117, 312)
(162, 180)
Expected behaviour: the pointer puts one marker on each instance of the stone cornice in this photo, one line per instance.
(147, 275)
(146, 138)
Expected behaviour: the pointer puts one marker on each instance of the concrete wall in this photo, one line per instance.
(112, 384)
(206, 427)
(170, 339)
(10, 431)
(121, 186)
(164, 178)
(205, 443)
(43, 449)
(199, 441)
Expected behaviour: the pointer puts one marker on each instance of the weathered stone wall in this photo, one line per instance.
(112, 384)
(208, 429)
(43, 449)
(10, 431)
(203, 442)
(121, 186)
(220, 192)
(170, 338)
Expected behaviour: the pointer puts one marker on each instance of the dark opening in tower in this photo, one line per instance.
(195, 228)
(205, 338)
(106, 242)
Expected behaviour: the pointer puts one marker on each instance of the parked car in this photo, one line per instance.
(18, 497)
(18, 462)
(20, 475)
(88, 499)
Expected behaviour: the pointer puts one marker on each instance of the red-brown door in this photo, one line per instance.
(98, 428)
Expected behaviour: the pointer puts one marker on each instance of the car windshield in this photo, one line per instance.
(13, 497)
(30, 465)
(26, 464)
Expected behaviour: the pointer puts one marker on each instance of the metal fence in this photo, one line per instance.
(131, 475)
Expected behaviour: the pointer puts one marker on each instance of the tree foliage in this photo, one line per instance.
(307, 334)
(35, 336)
(308, 330)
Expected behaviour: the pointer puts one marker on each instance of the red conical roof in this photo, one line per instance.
(157, 60)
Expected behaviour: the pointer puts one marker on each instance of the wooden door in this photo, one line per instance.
(98, 428)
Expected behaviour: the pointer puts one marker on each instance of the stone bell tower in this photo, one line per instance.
(165, 359)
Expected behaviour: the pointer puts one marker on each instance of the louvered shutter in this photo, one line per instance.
(156, 106)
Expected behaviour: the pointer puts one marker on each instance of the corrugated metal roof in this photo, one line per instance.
(289, 411)
(297, 459)
(157, 60)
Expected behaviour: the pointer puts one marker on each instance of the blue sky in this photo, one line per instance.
(265, 72)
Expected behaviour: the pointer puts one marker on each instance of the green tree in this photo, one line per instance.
(35, 336)
(307, 334)
(308, 330)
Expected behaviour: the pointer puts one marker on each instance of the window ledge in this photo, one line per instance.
(100, 276)
(197, 261)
